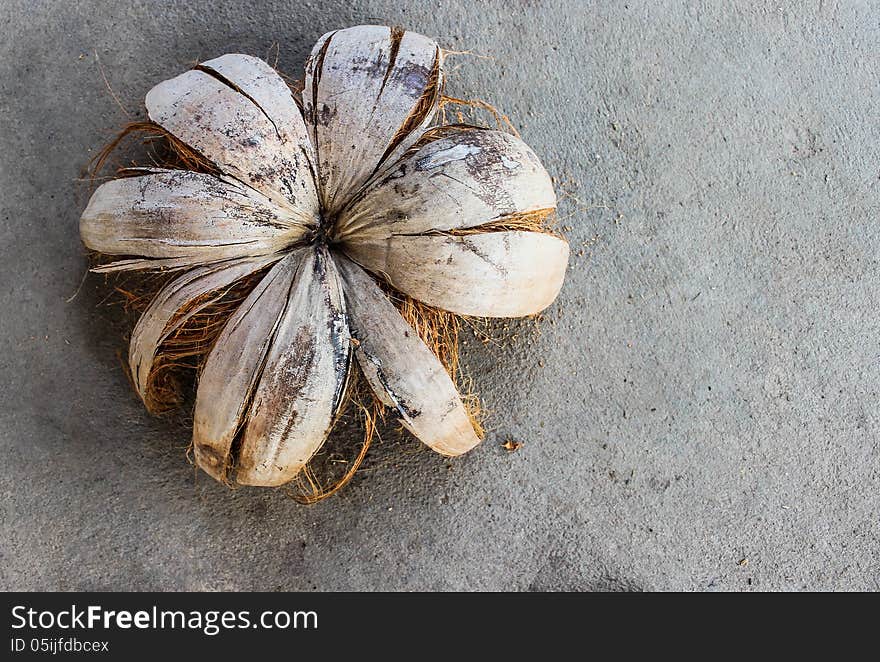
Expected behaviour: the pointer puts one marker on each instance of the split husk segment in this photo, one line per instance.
(188, 346)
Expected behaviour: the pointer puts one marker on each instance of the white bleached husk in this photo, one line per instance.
(496, 274)
(322, 206)
(483, 175)
(403, 372)
(362, 85)
(192, 217)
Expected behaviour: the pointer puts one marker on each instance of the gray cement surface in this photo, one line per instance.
(698, 412)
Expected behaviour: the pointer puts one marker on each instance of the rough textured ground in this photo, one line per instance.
(698, 412)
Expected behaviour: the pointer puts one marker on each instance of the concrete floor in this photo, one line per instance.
(698, 412)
